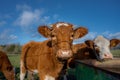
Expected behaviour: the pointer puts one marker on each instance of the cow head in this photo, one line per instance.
(99, 48)
(6, 67)
(62, 35)
(9, 72)
(102, 44)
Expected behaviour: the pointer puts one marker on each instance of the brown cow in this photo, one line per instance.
(114, 42)
(92, 49)
(5, 66)
(47, 58)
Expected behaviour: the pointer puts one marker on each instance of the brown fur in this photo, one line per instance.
(45, 59)
(47, 56)
(5, 67)
(83, 51)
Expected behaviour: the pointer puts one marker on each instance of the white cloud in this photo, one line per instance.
(92, 35)
(28, 18)
(2, 23)
(115, 35)
(45, 19)
(111, 35)
(13, 37)
(6, 37)
(55, 16)
(89, 36)
(106, 33)
(23, 7)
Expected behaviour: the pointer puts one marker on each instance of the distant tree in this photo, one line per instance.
(12, 48)
(1, 48)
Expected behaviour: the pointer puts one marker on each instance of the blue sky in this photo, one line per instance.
(19, 19)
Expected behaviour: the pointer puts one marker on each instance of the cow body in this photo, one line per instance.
(5, 67)
(39, 57)
(47, 58)
(83, 51)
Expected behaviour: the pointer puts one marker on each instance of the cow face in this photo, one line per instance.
(62, 35)
(103, 44)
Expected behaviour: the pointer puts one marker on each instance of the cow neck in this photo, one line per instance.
(58, 65)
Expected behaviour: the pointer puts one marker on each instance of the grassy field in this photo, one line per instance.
(116, 53)
(14, 59)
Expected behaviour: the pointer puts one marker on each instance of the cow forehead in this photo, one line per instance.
(101, 41)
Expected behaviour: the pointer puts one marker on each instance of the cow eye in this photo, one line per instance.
(96, 46)
(52, 35)
(72, 35)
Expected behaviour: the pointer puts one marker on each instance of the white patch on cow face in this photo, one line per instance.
(60, 24)
(103, 45)
(47, 77)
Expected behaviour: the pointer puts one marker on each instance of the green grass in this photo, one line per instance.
(14, 59)
(116, 53)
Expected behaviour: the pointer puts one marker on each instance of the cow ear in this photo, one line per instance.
(80, 32)
(45, 31)
(89, 43)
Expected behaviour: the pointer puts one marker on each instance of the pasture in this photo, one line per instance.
(116, 53)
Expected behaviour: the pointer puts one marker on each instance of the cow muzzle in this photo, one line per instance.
(107, 56)
(64, 54)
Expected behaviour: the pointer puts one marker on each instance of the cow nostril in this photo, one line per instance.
(105, 54)
(108, 55)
